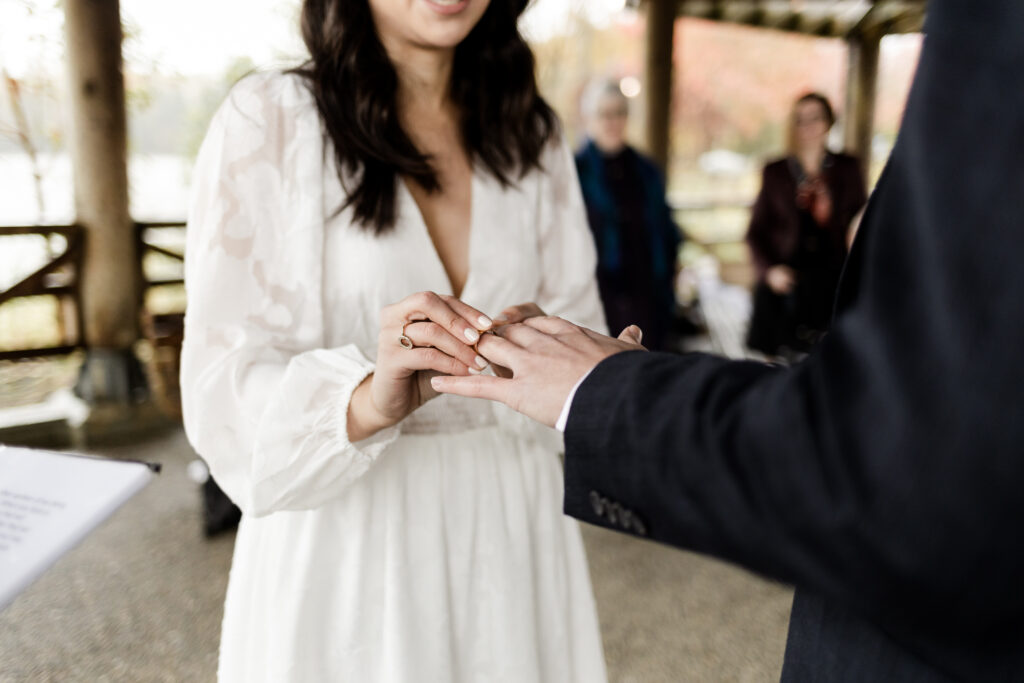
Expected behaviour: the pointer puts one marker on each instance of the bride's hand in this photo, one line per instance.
(511, 315)
(442, 332)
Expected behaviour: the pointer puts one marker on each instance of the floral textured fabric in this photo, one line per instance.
(435, 550)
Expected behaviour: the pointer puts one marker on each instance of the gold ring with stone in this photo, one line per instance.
(403, 340)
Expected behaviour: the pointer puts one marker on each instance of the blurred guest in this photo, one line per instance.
(637, 240)
(799, 233)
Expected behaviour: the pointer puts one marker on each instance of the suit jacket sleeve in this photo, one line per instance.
(883, 472)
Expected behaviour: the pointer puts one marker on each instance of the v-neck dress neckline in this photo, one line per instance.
(415, 215)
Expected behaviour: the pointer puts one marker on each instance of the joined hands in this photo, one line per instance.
(541, 358)
(432, 343)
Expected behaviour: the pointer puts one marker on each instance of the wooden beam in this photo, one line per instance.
(864, 24)
(910, 20)
(755, 16)
(861, 91)
(839, 18)
(111, 282)
(23, 354)
(884, 18)
(790, 22)
(110, 286)
(717, 10)
(661, 15)
(38, 282)
(825, 29)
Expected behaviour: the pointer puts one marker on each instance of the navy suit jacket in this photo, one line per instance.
(884, 475)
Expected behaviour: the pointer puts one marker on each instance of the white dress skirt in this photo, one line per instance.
(436, 550)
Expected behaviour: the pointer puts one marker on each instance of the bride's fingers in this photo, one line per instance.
(428, 333)
(431, 306)
(475, 318)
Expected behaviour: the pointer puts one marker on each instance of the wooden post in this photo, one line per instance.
(661, 16)
(861, 87)
(110, 283)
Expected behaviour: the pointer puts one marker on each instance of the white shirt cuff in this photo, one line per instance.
(563, 419)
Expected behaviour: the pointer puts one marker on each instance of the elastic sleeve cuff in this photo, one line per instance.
(370, 448)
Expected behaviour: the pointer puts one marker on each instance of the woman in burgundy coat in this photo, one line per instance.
(799, 233)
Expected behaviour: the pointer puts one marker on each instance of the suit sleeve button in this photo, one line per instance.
(614, 513)
(626, 520)
(639, 527)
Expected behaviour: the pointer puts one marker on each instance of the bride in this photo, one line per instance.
(354, 223)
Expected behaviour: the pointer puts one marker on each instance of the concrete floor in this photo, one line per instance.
(140, 600)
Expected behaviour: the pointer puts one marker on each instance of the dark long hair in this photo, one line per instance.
(505, 123)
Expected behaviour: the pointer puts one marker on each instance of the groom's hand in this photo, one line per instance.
(547, 357)
(510, 316)
(519, 313)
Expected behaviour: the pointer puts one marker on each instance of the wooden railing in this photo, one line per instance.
(60, 277)
(147, 247)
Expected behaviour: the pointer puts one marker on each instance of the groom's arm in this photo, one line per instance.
(808, 475)
(885, 471)
(614, 470)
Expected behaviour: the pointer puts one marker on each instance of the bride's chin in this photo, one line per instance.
(445, 26)
(440, 40)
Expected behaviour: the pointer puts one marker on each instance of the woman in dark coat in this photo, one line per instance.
(799, 233)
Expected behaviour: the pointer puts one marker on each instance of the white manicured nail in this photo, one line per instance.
(473, 336)
(502, 318)
(484, 321)
(481, 362)
(473, 371)
(436, 383)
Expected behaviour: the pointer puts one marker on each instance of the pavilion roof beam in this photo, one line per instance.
(830, 19)
(825, 28)
(885, 18)
(907, 21)
(780, 16)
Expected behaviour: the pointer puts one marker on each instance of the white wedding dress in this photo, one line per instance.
(435, 551)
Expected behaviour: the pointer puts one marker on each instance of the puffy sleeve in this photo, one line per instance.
(568, 254)
(265, 404)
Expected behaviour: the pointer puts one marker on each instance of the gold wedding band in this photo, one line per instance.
(476, 346)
